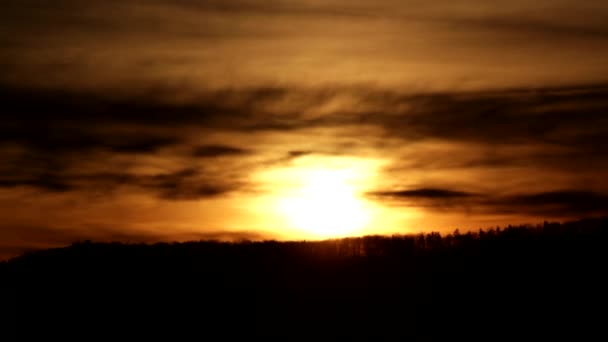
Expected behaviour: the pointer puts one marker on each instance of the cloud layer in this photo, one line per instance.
(47, 136)
(213, 44)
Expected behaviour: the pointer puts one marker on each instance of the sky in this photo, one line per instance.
(163, 120)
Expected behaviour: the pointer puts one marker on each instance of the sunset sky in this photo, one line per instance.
(161, 120)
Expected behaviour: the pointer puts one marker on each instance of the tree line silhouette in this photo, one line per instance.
(526, 281)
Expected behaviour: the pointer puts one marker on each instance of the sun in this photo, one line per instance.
(318, 197)
(325, 204)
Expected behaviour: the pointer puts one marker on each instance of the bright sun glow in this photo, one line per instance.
(326, 205)
(321, 197)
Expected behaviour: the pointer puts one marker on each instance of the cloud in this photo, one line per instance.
(560, 202)
(65, 139)
(567, 115)
(211, 151)
(46, 136)
(129, 44)
(290, 156)
(528, 28)
(186, 184)
(299, 153)
(557, 129)
(43, 181)
(37, 109)
(425, 193)
(436, 199)
(556, 203)
(501, 117)
(278, 7)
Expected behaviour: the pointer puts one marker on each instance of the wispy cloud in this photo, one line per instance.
(556, 203)
(426, 193)
(46, 135)
(211, 151)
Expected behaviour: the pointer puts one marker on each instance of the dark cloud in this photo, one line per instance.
(552, 115)
(232, 6)
(187, 184)
(290, 156)
(514, 21)
(552, 203)
(210, 151)
(519, 116)
(558, 203)
(559, 129)
(44, 110)
(298, 153)
(57, 130)
(47, 135)
(528, 29)
(82, 137)
(436, 199)
(309, 8)
(46, 182)
(425, 193)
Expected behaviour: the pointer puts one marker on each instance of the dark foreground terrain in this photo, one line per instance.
(523, 283)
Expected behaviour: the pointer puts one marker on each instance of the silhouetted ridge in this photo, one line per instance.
(507, 281)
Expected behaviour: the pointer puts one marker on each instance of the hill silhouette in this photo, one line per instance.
(525, 282)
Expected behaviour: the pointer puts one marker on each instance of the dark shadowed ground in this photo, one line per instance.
(524, 283)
